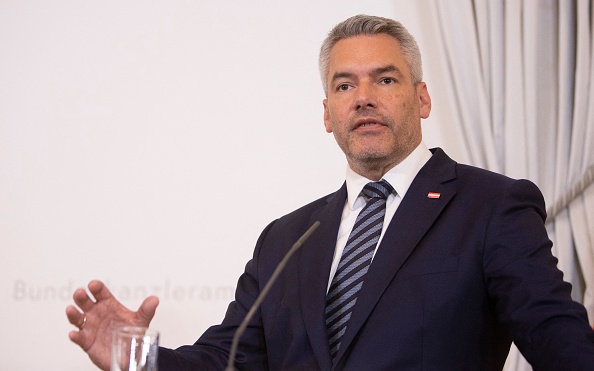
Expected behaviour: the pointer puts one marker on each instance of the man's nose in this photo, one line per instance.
(365, 97)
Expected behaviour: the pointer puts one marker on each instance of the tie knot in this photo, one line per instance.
(381, 189)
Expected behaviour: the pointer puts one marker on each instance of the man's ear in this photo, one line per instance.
(424, 100)
(326, 116)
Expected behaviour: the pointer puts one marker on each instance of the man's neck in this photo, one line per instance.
(375, 169)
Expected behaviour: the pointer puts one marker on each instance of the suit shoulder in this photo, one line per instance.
(477, 183)
(490, 179)
(474, 180)
(311, 207)
(297, 221)
(472, 173)
(285, 230)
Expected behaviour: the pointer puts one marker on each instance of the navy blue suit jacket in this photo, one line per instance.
(454, 281)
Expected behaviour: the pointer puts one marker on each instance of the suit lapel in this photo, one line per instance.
(314, 270)
(413, 218)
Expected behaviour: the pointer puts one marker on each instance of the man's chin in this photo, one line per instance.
(370, 159)
(370, 155)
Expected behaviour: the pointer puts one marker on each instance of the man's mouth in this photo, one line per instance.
(366, 124)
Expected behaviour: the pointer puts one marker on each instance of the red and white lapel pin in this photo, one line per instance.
(433, 195)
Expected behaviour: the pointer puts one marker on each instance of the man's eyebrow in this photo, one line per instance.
(340, 75)
(384, 69)
(374, 72)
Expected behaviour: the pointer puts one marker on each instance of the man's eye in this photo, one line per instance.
(342, 87)
(387, 80)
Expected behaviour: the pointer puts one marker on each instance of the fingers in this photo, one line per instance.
(75, 317)
(147, 309)
(74, 336)
(77, 338)
(82, 300)
(107, 304)
(99, 290)
(85, 303)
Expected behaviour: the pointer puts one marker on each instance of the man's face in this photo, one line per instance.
(373, 108)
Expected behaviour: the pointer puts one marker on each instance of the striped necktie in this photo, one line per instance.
(354, 262)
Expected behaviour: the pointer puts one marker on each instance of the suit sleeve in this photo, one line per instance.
(211, 350)
(531, 298)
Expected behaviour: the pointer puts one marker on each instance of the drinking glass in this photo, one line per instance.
(134, 349)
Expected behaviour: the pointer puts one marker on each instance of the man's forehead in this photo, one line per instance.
(367, 40)
(365, 46)
(373, 52)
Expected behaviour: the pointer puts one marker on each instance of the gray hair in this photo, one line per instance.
(365, 25)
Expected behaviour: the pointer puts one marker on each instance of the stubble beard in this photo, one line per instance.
(383, 155)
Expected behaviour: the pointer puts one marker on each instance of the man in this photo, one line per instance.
(461, 264)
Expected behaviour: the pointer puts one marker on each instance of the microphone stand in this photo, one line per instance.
(241, 329)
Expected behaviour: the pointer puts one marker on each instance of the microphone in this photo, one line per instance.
(279, 268)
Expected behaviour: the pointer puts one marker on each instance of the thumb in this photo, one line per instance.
(147, 309)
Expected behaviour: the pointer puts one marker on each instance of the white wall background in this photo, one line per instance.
(147, 144)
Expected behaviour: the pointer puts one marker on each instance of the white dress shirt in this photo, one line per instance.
(400, 177)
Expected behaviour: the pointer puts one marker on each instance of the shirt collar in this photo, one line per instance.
(400, 176)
